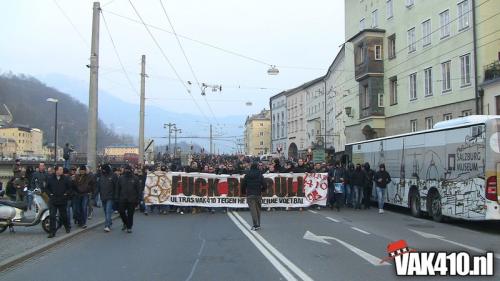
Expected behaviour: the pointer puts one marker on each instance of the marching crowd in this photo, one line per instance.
(74, 192)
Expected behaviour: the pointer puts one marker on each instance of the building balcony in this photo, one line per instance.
(492, 71)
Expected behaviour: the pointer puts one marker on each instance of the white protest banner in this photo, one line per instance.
(209, 190)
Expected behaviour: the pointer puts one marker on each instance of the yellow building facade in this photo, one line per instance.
(120, 150)
(29, 141)
(258, 133)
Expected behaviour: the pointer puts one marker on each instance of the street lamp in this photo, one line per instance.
(273, 70)
(56, 101)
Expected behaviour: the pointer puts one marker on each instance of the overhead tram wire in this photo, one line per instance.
(118, 56)
(187, 60)
(167, 59)
(234, 53)
(72, 24)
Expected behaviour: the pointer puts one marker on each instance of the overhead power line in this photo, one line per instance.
(118, 56)
(72, 24)
(187, 60)
(167, 59)
(234, 53)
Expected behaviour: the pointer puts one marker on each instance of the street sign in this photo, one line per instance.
(318, 155)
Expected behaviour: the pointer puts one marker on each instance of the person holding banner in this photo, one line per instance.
(253, 185)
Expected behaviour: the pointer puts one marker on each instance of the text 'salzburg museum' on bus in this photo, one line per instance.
(451, 170)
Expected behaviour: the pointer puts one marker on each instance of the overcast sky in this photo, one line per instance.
(38, 39)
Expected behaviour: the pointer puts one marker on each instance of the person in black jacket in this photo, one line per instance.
(106, 185)
(367, 191)
(128, 196)
(381, 179)
(358, 181)
(253, 185)
(58, 188)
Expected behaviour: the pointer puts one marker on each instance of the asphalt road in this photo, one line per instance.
(220, 247)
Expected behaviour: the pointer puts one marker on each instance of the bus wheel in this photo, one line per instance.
(415, 204)
(435, 209)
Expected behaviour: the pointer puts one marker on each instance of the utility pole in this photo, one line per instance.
(141, 117)
(169, 125)
(93, 98)
(211, 138)
(175, 139)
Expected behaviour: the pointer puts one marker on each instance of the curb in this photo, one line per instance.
(10, 262)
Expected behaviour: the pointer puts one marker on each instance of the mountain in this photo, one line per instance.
(26, 97)
(127, 118)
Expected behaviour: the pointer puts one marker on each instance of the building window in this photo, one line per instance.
(262, 124)
(426, 32)
(447, 117)
(429, 123)
(413, 125)
(261, 134)
(390, 9)
(428, 81)
(365, 97)
(468, 112)
(465, 70)
(413, 86)
(378, 52)
(410, 3)
(362, 24)
(392, 46)
(282, 129)
(446, 76)
(361, 54)
(380, 100)
(393, 90)
(261, 143)
(412, 45)
(375, 18)
(445, 23)
(463, 15)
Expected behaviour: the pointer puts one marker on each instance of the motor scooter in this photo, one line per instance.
(17, 214)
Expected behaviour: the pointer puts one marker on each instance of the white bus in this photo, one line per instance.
(452, 170)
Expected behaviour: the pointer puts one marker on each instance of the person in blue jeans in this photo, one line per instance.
(106, 187)
(381, 179)
(84, 185)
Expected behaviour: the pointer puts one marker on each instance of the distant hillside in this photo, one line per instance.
(26, 98)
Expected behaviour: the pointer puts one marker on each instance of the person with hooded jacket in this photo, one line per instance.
(367, 190)
(253, 185)
(381, 179)
(128, 194)
(106, 186)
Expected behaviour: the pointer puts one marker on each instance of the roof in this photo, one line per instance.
(277, 95)
(443, 125)
(263, 115)
(122, 146)
(340, 54)
(305, 85)
(375, 30)
(20, 128)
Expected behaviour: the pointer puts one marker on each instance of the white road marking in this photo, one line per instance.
(332, 219)
(203, 240)
(360, 230)
(314, 212)
(434, 236)
(366, 256)
(284, 272)
(301, 274)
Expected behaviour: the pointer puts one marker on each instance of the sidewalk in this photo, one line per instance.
(27, 241)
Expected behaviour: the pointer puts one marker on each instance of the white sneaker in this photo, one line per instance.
(106, 229)
(380, 211)
(182, 213)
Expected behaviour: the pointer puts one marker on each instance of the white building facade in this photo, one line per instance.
(279, 124)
